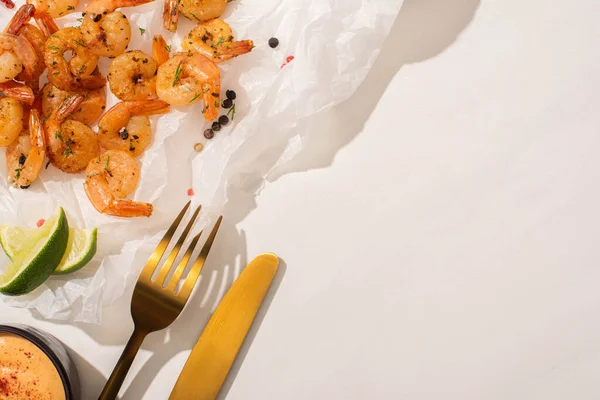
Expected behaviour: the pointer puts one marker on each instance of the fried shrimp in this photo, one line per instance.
(132, 76)
(105, 31)
(187, 78)
(17, 55)
(45, 23)
(19, 25)
(109, 178)
(12, 94)
(160, 50)
(55, 8)
(21, 17)
(171, 15)
(11, 120)
(71, 144)
(17, 91)
(126, 126)
(88, 112)
(74, 75)
(214, 39)
(25, 157)
(202, 10)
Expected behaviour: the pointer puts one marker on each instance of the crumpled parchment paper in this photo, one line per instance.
(333, 43)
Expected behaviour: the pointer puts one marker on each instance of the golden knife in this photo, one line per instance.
(213, 355)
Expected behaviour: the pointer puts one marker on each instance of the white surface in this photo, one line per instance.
(275, 106)
(449, 250)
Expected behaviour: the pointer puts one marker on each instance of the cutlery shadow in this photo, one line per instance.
(94, 380)
(423, 30)
(260, 316)
(226, 259)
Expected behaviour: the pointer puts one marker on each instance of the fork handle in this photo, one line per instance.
(112, 387)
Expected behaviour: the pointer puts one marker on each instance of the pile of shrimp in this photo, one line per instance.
(65, 121)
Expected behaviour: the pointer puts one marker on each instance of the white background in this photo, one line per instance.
(443, 242)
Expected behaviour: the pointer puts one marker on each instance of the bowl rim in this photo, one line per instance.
(16, 329)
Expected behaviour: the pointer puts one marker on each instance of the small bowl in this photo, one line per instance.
(55, 351)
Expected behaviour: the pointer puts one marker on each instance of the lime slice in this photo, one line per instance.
(80, 250)
(39, 257)
(13, 239)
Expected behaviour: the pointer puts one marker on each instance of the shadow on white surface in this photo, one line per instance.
(423, 29)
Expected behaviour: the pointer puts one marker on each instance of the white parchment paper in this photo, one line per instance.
(333, 43)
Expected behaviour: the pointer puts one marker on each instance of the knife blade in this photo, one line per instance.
(212, 357)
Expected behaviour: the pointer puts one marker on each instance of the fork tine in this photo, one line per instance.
(164, 270)
(182, 264)
(152, 262)
(190, 280)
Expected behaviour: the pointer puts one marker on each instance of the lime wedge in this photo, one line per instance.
(81, 248)
(40, 255)
(13, 239)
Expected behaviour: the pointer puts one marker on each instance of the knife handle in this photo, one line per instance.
(213, 355)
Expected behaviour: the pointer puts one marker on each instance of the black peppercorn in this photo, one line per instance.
(209, 134)
(216, 126)
(22, 159)
(124, 134)
(223, 120)
(273, 42)
(230, 94)
(227, 103)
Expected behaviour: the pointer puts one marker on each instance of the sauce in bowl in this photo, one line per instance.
(26, 372)
(34, 365)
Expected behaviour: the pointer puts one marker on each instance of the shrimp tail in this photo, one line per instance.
(129, 209)
(46, 23)
(36, 130)
(99, 194)
(31, 62)
(17, 91)
(160, 51)
(171, 15)
(147, 107)
(68, 106)
(235, 49)
(129, 3)
(37, 154)
(37, 103)
(89, 82)
(21, 17)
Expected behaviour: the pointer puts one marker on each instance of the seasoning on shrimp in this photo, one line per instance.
(107, 32)
(202, 10)
(214, 39)
(88, 112)
(36, 37)
(71, 144)
(76, 74)
(111, 177)
(126, 125)
(132, 76)
(17, 55)
(55, 8)
(185, 78)
(25, 157)
(171, 15)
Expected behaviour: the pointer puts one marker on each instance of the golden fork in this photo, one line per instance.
(157, 303)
